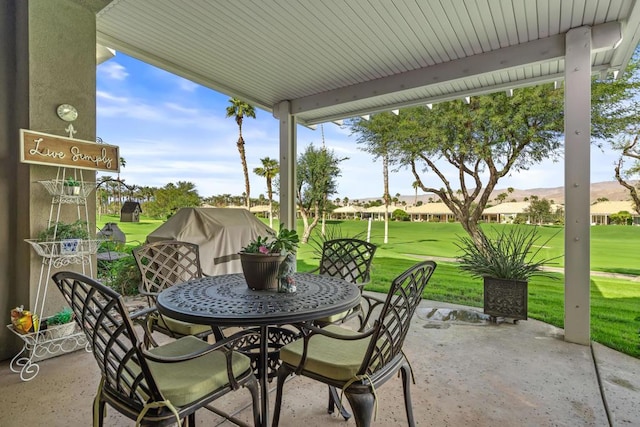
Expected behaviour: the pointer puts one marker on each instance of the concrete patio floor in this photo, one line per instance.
(466, 375)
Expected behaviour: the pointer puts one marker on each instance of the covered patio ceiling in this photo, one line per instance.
(317, 61)
(338, 59)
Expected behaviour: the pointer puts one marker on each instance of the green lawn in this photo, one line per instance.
(615, 303)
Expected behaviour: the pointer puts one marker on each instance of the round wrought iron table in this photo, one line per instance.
(226, 300)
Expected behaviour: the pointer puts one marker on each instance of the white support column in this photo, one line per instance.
(577, 127)
(288, 157)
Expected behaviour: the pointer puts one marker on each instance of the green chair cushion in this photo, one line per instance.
(182, 328)
(334, 318)
(183, 382)
(329, 357)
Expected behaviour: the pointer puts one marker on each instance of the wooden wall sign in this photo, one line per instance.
(45, 149)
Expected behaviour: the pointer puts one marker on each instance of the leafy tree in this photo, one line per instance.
(270, 168)
(400, 215)
(627, 88)
(172, 197)
(621, 218)
(240, 109)
(491, 137)
(316, 179)
(630, 150)
(539, 211)
(501, 197)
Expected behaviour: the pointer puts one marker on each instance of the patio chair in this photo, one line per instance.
(163, 264)
(348, 259)
(360, 362)
(159, 386)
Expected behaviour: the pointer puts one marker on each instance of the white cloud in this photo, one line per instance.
(187, 85)
(102, 95)
(112, 70)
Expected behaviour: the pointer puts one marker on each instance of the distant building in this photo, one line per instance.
(378, 212)
(431, 212)
(601, 211)
(347, 212)
(130, 212)
(505, 212)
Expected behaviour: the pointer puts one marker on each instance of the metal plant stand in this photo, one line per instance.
(55, 340)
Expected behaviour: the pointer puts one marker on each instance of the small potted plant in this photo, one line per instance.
(506, 262)
(69, 235)
(71, 186)
(60, 324)
(262, 257)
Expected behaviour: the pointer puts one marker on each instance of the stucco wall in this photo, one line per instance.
(47, 52)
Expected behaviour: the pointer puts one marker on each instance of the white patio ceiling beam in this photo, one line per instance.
(548, 49)
(605, 37)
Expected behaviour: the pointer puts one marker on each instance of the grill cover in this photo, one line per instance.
(219, 232)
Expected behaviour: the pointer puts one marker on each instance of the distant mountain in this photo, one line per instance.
(610, 190)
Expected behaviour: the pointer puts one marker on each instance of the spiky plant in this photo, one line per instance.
(508, 255)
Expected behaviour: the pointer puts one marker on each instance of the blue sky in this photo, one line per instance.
(170, 129)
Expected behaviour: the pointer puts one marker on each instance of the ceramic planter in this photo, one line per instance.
(261, 270)
(505, 298)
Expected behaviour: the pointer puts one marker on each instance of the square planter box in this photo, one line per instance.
(505, 298)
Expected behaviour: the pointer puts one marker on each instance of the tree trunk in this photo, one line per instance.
(243, 159)
(308, 227)
(385, 173)
(633, 192)
(270, 194)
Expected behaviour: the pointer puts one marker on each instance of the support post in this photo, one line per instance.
(288, 155)
(577, 181)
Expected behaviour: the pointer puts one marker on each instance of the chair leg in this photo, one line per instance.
(282, 375)
(406, 386)
(98, 411)
(334, 402)
(255, 399)
(362, 405)
(191, 420)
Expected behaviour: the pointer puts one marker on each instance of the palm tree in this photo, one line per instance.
(239, 109)
(415, 185)
(123, 163)
(270, 168)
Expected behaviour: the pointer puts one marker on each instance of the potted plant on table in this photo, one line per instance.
(506, 262)
(262, 258)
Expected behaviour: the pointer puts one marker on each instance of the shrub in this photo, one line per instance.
(400, 215)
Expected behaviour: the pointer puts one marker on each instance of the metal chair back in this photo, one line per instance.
(165, 263)
(392, 325)
(349, 259)
(102, 315)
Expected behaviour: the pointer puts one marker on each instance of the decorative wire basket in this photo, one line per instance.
(56, 187)
(69, 247)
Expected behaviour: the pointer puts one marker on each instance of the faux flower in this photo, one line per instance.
(285, 241)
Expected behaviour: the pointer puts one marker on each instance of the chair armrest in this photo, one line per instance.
(223, 344)
(153, 295)
(143, 312)
(309, 330)
(368, 305)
